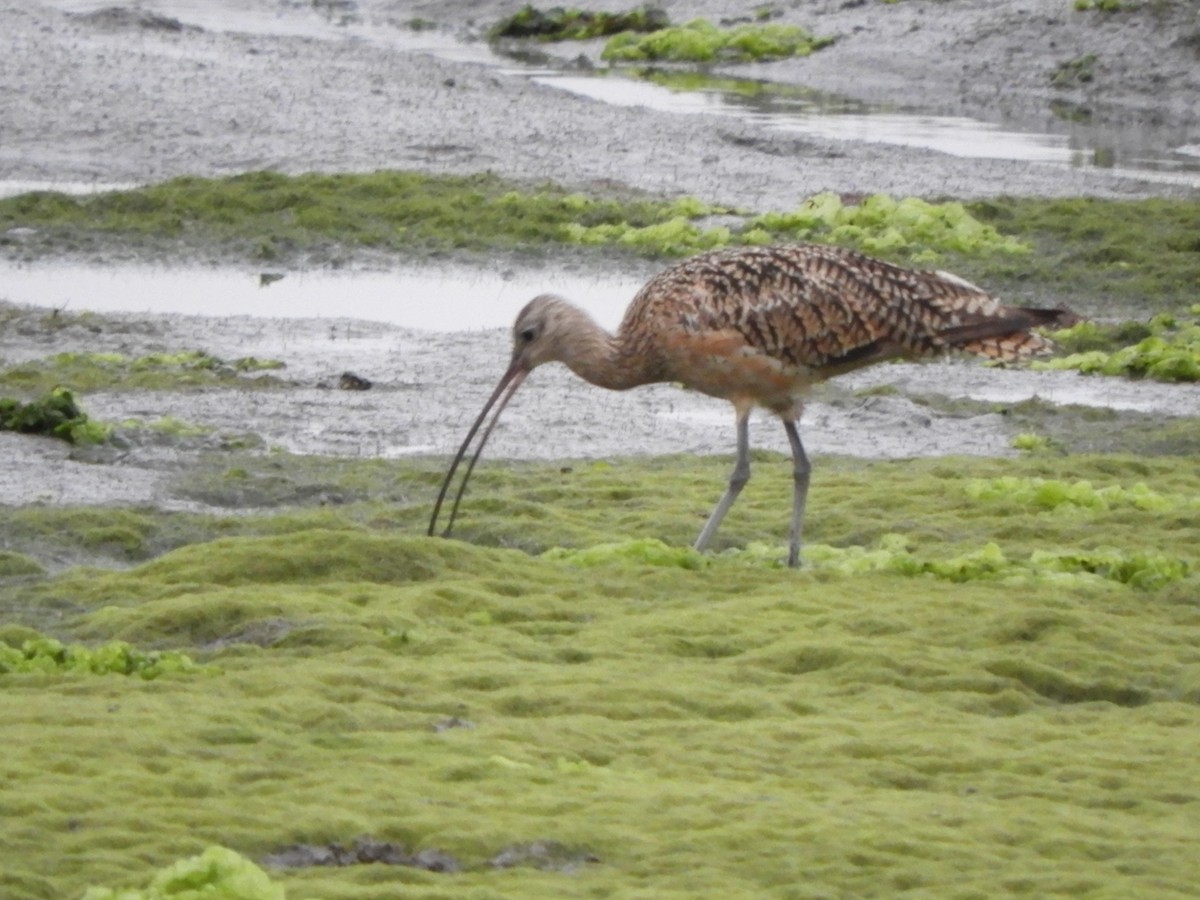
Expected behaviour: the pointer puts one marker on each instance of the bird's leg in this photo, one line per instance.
(801, 469)
(737, 480)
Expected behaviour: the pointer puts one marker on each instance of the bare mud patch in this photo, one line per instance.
(546, 856)
(363, 851)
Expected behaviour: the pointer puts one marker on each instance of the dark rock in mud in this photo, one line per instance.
(363, 851)
(351, 382)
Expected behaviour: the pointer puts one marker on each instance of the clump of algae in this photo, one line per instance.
(55, 414)
(1169, 351)
(1051, 493)
(15, 565)
(156, 371)
(703, 42)
(412, 212)
(732, 729)
(559, 24)
(47, 655)
(215, 874)
(910, 228)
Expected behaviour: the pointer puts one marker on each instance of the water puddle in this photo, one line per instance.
(432, 299)
(13, 188)
(1139, 152)
(318, 19)
(463, 301)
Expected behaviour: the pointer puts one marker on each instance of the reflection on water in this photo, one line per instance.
(435, 300)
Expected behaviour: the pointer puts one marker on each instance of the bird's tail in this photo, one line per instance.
(1010, 337)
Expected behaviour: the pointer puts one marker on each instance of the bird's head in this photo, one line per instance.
(540, 331)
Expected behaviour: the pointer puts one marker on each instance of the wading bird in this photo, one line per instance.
(757, 326)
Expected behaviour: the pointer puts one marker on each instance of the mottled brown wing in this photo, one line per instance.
(832, 309)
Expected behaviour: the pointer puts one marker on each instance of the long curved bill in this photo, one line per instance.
(507, 387)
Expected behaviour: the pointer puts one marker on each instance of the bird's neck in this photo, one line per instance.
(605, 359)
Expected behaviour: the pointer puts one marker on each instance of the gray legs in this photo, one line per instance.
(737, 481)
(741, 474)
(800, 472)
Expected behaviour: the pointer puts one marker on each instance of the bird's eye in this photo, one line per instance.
(528, 335)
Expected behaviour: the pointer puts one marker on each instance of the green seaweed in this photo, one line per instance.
(1049, 494)
(156, 371)
(1170, 351)
(644, 552)
(1107, 6)
(957, 669)
(1030, 442)
(1088, 335)
(402, 210)
(282, 214)
(48, 655)
(216, 874)
(583, 505)
(1040, 426)
(911, 229)
(1116, 257)
(17, 565)
(1074, 72)
(559, 24)
(55, 414)
(702, 41)
(1146, 570)
(1127, 258)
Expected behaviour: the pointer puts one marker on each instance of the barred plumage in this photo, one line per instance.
(758, 326)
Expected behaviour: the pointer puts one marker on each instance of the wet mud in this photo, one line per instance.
(108, 99)
(426, 389)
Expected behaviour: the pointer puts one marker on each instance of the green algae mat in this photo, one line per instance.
(1109, 257)
(985, 683)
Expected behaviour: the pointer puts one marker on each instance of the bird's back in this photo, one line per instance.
(802, 313)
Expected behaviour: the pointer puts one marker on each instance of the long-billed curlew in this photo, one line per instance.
(757, 326)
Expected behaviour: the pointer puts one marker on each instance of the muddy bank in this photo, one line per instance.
(427, 388)
(110, 100)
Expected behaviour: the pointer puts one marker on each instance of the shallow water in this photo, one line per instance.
(1137, 151)
(465, 301)
(13, 188)
(428, 299)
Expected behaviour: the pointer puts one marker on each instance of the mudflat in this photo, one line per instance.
(103, 94)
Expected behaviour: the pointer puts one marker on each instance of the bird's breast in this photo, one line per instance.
(722, 364)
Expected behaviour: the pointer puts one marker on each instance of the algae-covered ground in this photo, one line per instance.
(918, 713)
(226, 637)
